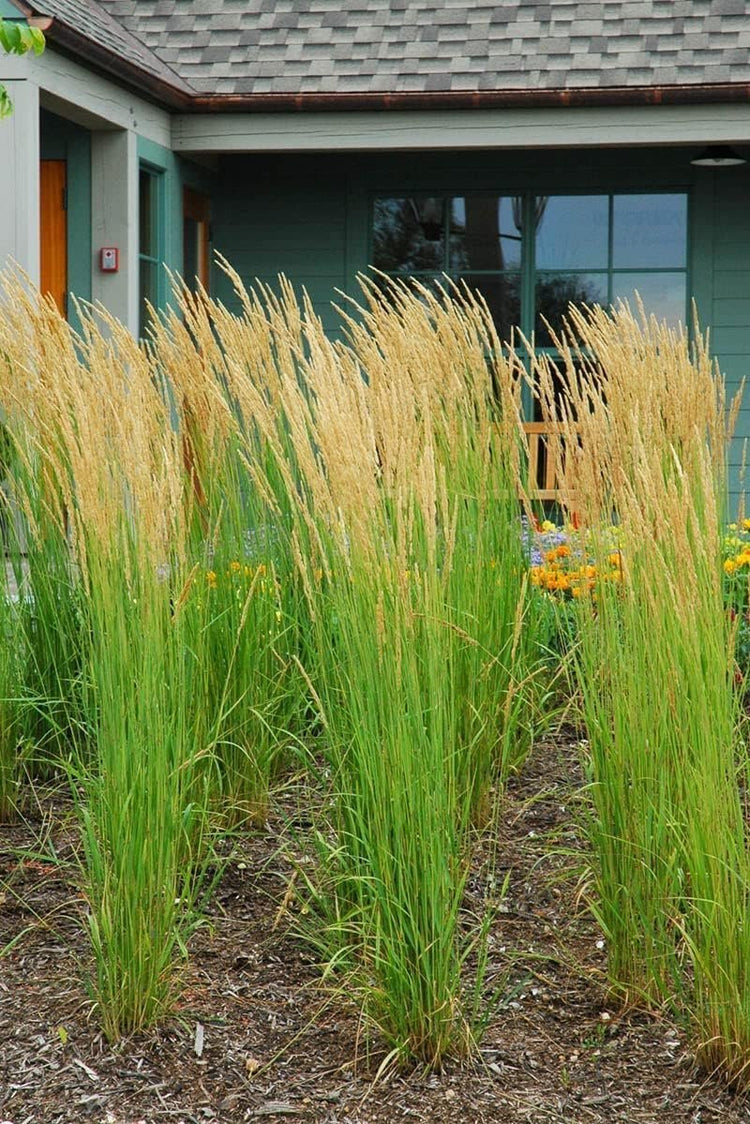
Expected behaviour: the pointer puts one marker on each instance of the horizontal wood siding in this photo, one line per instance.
(284, 216)
(730, 307)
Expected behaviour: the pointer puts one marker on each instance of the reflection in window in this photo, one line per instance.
(409, 235)
(572, 232)
(649, 232)
(476, 240)
(639, 242)
(502, 295)
(664, 294)
(531, 257)
(555, 292)
(485, 233)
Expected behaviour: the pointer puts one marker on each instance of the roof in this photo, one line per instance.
(95, 29)
(399, 46)
(376, 47)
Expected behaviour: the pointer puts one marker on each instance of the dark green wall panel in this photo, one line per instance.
(284, 216)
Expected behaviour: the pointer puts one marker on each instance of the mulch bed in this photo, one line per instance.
(276, 1046)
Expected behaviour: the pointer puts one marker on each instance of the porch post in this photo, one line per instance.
(114, 221)
(19, 179)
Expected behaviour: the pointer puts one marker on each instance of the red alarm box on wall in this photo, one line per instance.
(109, 259)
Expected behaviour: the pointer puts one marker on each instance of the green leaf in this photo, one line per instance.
(10, 36)
(16, 38)
(6, 105)
(37, 40)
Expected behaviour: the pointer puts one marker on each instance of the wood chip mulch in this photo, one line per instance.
(257, 1038)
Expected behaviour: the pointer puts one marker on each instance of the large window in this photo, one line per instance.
(531, 256)
(150, 244)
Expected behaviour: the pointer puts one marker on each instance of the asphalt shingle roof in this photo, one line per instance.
(96, 23)
(425, 46)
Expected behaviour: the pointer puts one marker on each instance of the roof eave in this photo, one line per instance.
(69, 39)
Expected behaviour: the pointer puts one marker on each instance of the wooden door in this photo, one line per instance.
(53, 231)
(196, 219)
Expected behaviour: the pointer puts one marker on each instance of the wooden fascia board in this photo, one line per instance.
(462, 129)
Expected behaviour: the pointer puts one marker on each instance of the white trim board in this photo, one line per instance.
(461, 129)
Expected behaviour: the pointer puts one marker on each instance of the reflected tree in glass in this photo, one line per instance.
(409, 235)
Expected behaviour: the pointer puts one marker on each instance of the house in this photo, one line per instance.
(543, 150)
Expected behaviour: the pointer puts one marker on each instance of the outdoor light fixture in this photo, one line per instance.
(718, 156)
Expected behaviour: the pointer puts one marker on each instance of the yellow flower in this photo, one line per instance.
(235, 567)
(547, 526)
(211, 578)
(730, 566)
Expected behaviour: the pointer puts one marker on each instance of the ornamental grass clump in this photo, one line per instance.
(388, 463)
(110, 464)
(246, 606)
(427, 361)
(50, 626)
(646, 440)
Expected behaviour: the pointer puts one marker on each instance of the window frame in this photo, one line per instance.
(156, 259)
(529, 273)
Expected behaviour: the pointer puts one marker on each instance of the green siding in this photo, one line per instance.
(309, 218)
(62, 140)
(730, 308)
(284, 216)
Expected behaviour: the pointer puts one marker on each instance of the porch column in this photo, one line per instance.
(114, 221)
(19, 179)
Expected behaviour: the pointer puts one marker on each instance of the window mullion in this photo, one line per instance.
(528, 265)
(528, 288)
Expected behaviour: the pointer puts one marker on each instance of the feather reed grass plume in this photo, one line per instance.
(91, 412)
(100, 480)
(387, 462)
(646, 430)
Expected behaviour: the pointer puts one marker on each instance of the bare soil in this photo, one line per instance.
(276, 1046)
